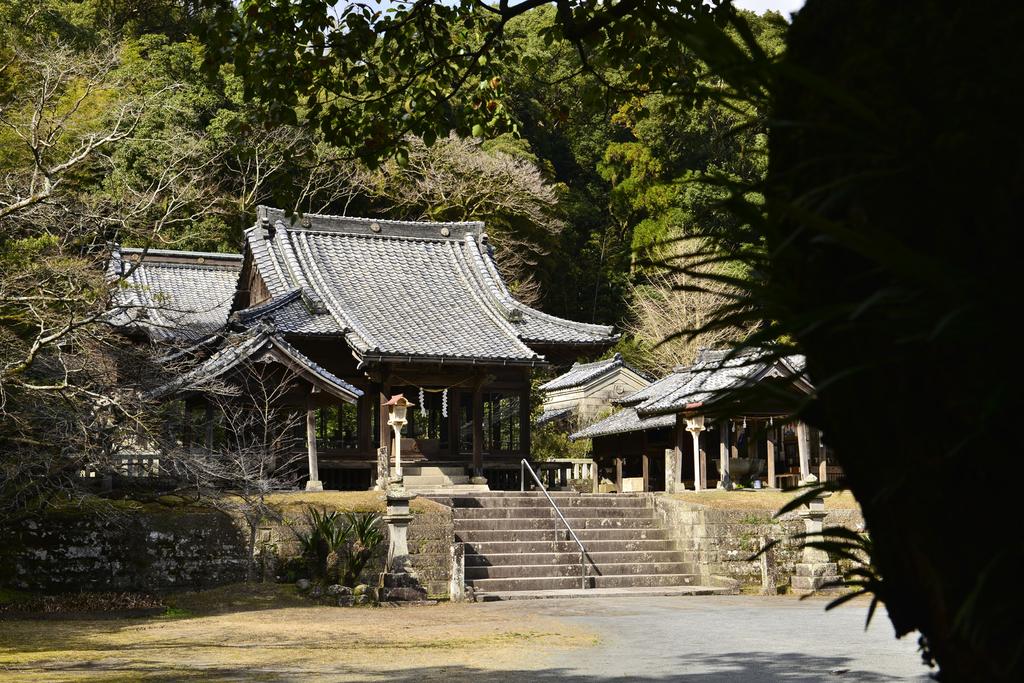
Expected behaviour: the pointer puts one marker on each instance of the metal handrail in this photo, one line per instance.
(522, 487)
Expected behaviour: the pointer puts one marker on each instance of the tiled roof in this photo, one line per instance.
(401, 289)
(667, 384)
(584, 373)
(623, 421)
(713, 375)
(551, 416)
(173, 294)
(259, 343)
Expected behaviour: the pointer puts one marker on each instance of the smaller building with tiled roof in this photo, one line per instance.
(588, 391)
(172, 295)
(737, 402)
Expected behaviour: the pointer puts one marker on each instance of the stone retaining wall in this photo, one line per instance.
(124, 551)
(153, 550)
(721, 541)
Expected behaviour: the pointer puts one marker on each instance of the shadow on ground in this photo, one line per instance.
(720, 668)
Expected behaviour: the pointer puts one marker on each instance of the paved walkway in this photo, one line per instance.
(710, 639)
(728, 638)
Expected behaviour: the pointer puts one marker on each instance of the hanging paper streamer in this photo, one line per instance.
(444, 402)
(423, 403)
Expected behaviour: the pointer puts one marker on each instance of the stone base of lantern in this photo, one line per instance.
(811, 577)
(399, 581)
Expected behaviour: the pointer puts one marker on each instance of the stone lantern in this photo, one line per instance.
(695, 425)
(398, 405)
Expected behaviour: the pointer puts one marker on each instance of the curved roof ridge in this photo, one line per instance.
(268, 306)
(498, 283)
(333, 306)
(502, 322)
(220, 255)
(265, 261)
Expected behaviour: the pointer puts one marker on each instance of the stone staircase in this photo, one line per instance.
(515, 542)
(438, 479)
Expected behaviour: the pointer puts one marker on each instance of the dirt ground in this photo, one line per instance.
(272, 634)
(751, 499)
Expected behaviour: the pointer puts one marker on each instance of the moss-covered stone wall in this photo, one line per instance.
(721, 541)
(123, 550)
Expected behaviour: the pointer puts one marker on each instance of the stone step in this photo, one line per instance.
(563, 582)
(434, 471)
(570, 513)
(585, 501)
(561, 570)
(434, 480)
(491, 559)
(437, 492)
(577, 524)
(514, 548)
(627, 592)
(550, 534)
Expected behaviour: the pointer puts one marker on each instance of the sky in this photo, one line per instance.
(784, 7)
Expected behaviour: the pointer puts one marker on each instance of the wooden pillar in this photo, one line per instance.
(595, 475)
(703, 469)
(618, 475)
(734, 449)
(724, 482)
(186, 429)
(314, 483)
(674, 458)
(478, 430)
(365, 421)
(454, 415)
(697, 484)
(647, 475)
(383, 430)
(803, 444)
(771, 459)
(524, 418)
(209, 426)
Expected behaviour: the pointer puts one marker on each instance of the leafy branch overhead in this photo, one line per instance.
(368, 75)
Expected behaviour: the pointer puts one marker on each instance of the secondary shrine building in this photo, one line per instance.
(357, 310)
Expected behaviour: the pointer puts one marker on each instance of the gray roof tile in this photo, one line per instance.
(400, 288)
(583, 373)
(255, 344)
(173, 294)
(623, 421)
(712, 376)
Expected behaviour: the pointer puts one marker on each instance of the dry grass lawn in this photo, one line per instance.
(751, 499)
(345, 501)
(236, 633)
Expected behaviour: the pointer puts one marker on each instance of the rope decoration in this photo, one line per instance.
(444, 400)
